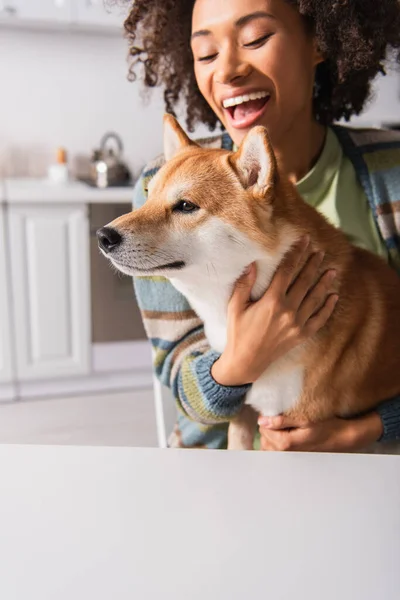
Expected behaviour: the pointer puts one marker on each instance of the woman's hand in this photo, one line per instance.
(295, 306)
(336, 435)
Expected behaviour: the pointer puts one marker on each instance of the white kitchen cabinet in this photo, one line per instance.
(46, 282)
(5, 314)
(41, 11)
(49, 256)
(100, 13)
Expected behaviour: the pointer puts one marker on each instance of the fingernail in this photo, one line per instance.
(321, 255)
(332, 274)
(264, 421)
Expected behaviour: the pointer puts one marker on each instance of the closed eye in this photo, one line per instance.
(259, 41)
(184, 206)
(208, 58)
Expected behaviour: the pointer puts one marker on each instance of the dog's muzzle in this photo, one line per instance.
(108, 239)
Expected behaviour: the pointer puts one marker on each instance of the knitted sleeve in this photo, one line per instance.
(182, 355)
(389, 413)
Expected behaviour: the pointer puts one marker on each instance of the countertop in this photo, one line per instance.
(27, 190)
(126, 523)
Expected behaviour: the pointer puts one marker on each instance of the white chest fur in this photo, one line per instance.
(278, 389)
(208, 288)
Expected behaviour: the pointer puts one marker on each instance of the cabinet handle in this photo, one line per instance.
(9, 10)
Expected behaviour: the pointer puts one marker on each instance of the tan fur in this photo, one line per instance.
(352, 363)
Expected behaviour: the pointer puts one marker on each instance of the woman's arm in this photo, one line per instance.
(389, 413)
(334, 435)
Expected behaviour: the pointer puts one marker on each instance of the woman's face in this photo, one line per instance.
(254, 64)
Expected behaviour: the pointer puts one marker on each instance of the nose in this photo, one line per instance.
(108, 238)
(230, 67)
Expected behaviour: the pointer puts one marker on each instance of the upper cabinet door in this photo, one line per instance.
(36, 11)
(100, 13)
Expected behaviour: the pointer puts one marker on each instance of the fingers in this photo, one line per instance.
(277, 441)
(316, 297)
(317, 321)
(285, 440)
(242, 291)
(281, 433)
(279, 422)
(305, 280)
(288, 268)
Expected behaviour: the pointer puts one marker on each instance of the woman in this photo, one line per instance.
(294, 66)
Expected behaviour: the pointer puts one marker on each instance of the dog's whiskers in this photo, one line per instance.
(237, 241)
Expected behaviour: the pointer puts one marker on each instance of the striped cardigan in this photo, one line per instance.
(182, 355)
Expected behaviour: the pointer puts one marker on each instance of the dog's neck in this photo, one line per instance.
(210, 288)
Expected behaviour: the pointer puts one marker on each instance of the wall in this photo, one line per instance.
(61, 88)
(384, 106)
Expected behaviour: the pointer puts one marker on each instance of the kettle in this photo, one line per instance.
(107, 168)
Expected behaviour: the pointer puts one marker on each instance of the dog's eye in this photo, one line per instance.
(185, 206)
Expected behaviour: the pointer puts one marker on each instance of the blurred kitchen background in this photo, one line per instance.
(75, 367)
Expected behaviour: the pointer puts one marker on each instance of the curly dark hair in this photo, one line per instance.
(353, 36)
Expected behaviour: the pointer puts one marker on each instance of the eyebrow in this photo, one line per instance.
(239, 23)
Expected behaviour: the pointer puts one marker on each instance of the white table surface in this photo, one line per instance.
(112, 523)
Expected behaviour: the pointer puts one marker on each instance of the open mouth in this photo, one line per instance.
(243, 111)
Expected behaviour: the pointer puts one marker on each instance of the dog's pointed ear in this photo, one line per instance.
(175, 139)
(255, 162)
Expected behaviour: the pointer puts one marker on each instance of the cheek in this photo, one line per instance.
(204, 77)
(290, 67)
(182, 240)
(198, 244)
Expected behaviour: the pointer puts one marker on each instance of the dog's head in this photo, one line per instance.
(208, 210)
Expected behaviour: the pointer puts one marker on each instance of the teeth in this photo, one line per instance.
(246, 98)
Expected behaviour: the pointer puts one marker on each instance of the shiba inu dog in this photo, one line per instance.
(210, 213)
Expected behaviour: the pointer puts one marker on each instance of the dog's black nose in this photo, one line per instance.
(108, 238)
